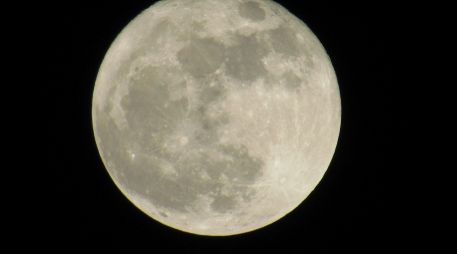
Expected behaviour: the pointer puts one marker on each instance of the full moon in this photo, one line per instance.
(216, 117)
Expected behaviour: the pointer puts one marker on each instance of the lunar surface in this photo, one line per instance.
(216, 117)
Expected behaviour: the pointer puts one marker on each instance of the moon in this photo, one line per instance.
(216, 117)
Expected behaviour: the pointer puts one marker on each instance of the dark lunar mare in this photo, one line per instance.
(152, 118)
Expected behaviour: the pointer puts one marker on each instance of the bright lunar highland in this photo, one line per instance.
(216, 117)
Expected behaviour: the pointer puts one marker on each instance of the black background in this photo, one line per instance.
(354, 208)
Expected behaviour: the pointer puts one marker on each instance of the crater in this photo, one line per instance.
(252, 11)
(201, 57)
